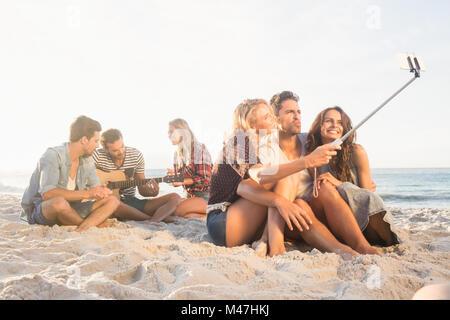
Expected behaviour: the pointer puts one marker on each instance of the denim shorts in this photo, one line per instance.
(216, 222)
(84, 209)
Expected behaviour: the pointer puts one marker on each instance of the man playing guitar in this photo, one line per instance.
(116, 158)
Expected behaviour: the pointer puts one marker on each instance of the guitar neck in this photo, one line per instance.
(131, 183)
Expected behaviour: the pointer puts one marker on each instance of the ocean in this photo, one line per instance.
(404, 188)
(414, 188)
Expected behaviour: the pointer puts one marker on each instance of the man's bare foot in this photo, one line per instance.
(81, 228)
(368, 250)
(347, 253)
(277, 251)
(108, 223)
(153, 219)
(68, 228)
(260, 247)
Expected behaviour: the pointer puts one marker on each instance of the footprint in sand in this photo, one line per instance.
(131, 276)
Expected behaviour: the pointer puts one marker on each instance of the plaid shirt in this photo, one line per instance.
(198, 169)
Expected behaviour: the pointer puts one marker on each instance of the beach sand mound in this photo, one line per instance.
(176, 260)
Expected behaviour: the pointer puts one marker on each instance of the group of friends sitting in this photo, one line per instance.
(270, 182)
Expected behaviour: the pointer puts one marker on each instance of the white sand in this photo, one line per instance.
(141, 260)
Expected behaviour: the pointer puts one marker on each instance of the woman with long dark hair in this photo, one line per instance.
(349, 173)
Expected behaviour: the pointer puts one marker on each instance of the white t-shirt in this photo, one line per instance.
(270, 155)
(71, 184)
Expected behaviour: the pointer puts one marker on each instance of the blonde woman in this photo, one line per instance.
(192, 158)
(238, 206)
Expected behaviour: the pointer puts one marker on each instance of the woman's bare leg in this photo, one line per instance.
(161, 207)
(341, 220)
(245, 220)
(260, 245)
(318, 235)
(191, 208)
(195, 215)
(376, 232)
(276, 226)
(318, 210)
(287, 188)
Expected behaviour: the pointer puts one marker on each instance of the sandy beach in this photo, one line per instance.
(176, 260)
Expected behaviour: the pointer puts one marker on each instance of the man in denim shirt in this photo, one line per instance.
(64, 189)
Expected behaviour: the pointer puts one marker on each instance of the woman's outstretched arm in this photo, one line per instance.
(320, 156)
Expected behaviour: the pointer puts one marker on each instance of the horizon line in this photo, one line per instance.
(29, 172)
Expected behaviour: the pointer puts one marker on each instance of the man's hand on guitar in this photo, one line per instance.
(99, 192)
(153, 187)
(177, 184)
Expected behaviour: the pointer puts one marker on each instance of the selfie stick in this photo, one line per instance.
(413, 68)
(407, 63)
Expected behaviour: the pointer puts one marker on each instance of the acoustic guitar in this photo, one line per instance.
(116, 180)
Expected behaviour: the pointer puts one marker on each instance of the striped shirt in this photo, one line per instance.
(132, 164)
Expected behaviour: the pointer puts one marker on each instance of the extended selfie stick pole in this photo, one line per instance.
(413, 68)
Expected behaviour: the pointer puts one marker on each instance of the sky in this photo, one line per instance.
(136, 65)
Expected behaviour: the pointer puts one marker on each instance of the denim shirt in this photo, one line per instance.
(52, 172)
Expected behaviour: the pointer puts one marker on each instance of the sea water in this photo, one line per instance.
(414, 188)
(405, 188)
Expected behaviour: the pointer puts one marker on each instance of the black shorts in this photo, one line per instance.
(134, 202)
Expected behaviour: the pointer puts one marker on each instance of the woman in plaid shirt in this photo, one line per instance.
(192, 157)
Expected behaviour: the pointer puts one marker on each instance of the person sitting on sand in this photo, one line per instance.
(348, 174)
(291, 146)
(237, 207)
(114, 155)
(193, 159)
(64, 188)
